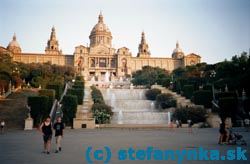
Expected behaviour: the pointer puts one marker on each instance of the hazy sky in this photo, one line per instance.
(214, 29)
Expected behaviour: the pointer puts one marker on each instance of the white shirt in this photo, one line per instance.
(2, 123)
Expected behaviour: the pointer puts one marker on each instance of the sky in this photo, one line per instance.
(214, 29)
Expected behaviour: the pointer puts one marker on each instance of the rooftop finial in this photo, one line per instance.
(177, 44)
(53, 28)
(14, 36)
(100, 17)
(143, 37)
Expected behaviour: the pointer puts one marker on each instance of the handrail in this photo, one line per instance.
(56, 110)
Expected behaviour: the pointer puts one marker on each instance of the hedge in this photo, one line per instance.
(69, 107)
(96, 95)
(50, 93)
(39, 108)
(77, 92)
(188, 91)
(164, 101)
(79, 78)
(226, 94)
(203, 97)
(79, 84)
(196, 114)
(101, 111)
(152, 93)
(228, 107)
(58, 89)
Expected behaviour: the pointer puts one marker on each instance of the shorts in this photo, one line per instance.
(46, 138)
(223, 131)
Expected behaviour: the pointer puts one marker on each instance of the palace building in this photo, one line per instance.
(100, 57)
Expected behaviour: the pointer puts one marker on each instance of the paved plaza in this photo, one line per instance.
(25, 147)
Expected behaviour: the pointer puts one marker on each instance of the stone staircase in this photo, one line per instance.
(84, 116)
(180, 100)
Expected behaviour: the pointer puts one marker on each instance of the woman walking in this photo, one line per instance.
(46, 129)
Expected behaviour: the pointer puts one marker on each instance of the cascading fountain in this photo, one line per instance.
(131, 107)
(120, 117)
(107, 76)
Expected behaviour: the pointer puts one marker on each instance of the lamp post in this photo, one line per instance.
(212, 75)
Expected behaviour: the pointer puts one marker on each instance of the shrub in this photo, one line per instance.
(69, 107)
(58, 89)
(203, 97)
(226, 94)
(102, 113)
(228, 107)
(207, 87)
(165, 82)
(39, 106)
(77, 92)
(79, 78)
(79, 83)
(196, 114)
(50, 93)
(152, 93)
(164, 101)
(97, 95)
(188, 91)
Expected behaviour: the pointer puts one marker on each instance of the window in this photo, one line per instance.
(92, 62)
(102, 62)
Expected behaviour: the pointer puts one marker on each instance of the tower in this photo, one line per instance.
(143, 50)
(52, 44)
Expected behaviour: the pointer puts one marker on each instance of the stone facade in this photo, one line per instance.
(100, 57)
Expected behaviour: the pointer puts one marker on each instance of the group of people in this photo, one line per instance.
(47, 130)
(227, 136)
(178, 124)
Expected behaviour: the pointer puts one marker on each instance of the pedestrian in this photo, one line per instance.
(224, 134)
(180, 123)
(58, 126)
(177, 123)
(190, 124)
(247, 122)
(2, 126)
(46, 129)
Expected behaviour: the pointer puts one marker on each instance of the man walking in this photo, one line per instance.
(2, 126)
(58, 126)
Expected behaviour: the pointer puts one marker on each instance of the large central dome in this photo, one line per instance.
(100, 34)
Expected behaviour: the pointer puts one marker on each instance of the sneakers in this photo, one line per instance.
(57, 151)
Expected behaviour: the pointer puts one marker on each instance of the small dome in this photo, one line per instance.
(14, 42)
(177, 53)
(177, 49)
